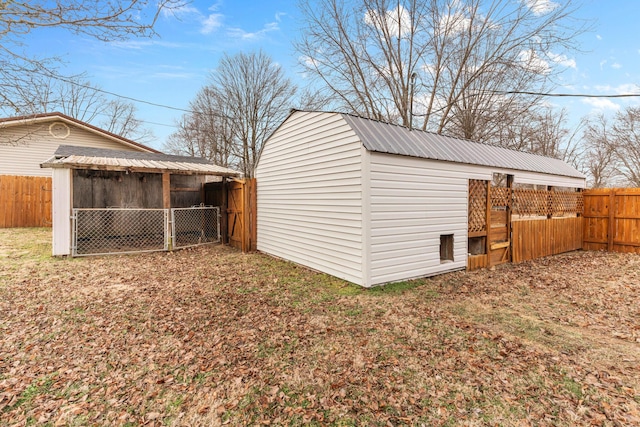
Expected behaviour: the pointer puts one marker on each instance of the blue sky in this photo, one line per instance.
(170, 69)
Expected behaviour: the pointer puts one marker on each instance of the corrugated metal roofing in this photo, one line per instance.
(96, 158)
(394, 139)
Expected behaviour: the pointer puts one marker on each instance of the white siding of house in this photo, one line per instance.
(310, 195)
(23, 148)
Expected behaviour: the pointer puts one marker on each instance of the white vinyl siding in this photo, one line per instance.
(413, 202)
(23, 148)
(61, 211)
(523, 177)
(310, 195)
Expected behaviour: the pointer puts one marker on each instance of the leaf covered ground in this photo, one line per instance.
(210, 336)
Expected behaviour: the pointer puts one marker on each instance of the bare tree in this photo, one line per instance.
(599, 160)
(543, 131)
(78, 98)
(205, 131)
(625, 140)
(102, 20)
(247, 98)
(456, 63)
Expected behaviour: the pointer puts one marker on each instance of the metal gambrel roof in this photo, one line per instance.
(67, 156)
(394, 139)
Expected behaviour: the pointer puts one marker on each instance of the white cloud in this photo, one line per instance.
(239, 33)
(143, 44)
(616, 65)
(455, 22)
(601, 104)
(540, 7)
(533, 62)
(617, 90)
(180, 11)
(211, 23)
(562, 60)
(598, 36)
(397, 21)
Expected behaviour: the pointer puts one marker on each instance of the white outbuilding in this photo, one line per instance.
(373, 203)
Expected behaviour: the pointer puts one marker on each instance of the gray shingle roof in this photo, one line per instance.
(393, 139)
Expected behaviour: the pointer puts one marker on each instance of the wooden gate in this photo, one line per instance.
(489, 225)
(241, 214)
(499, 240)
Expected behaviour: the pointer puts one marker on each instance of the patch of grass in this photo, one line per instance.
(22, 244)
(395, 288)
(522, 325)
(37, 388)
(175, 404)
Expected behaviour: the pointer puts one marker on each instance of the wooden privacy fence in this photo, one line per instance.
(612, 219)
(542, 237)
(25, 201)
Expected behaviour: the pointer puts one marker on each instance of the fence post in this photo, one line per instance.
(611, 228)
(488, 222)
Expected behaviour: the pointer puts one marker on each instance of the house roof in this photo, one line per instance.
(56, 116)
(72, 157)
(383, 137)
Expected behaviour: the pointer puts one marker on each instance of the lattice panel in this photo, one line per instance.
(566, 202)
(500, 197)
(531, 202)
(477, 205)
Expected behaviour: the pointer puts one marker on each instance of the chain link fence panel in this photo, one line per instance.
(119, 230)
(194, 226)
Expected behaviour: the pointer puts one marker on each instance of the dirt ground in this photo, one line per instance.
(210, 336)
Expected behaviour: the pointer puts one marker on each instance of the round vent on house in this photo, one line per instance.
(59, 130)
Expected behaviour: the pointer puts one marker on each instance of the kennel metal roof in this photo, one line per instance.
(73, 157)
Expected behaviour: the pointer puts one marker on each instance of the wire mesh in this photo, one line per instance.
(195, 226)
(117, 230)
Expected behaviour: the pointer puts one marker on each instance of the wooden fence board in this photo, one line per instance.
(542, 237)
(612, 219)
(25, 201)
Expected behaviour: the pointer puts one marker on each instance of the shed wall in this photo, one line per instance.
(23, 148)
(414, 201)
(310, 198)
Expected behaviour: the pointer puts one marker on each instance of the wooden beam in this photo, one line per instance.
(187, 189)
(488, 222)
(509, 254)
(166, 190)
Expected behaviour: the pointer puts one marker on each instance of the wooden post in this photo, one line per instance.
(166, 190)
(488, 222)
(166, 199)
(251, 207)
(224, 215)
(549, 202)
(612, 216)
(509, 229)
